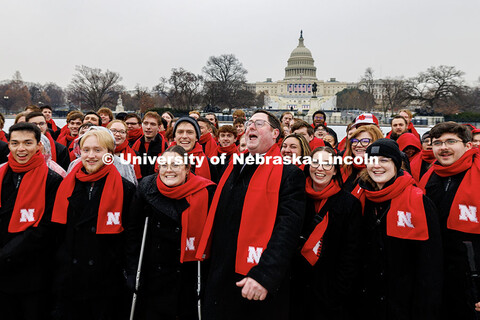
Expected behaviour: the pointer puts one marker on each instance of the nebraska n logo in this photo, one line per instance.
(254, 254)
(190, 244)
(113, 218)
(26, 215)
(404, 219)
(468, 213)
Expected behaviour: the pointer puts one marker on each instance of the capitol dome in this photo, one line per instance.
(301, 64)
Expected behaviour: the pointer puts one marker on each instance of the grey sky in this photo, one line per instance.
(143, 40)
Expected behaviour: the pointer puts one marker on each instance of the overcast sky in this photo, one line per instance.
(144, 39)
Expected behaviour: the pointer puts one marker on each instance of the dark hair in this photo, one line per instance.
(227, 129)
(25, 126)
(46, 107)
(284, 114)
(274, 122)
(426, 135)
(337, 166)
(400, 117)
(33, 114)
(319, 112)
(86, 125)
(332, 132)
(133, 115)
(303, 124)
(178, 150)
(304, 146)
(121, 116)
(459, 130)
(94, 113)
(239, 121)
(320, 126)
(164, 123)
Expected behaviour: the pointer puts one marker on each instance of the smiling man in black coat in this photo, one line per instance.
(254, 225)
(26, 235)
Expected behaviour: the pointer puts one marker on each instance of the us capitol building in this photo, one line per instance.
(294, 92)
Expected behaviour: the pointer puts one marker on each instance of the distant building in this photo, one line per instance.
(294, 92)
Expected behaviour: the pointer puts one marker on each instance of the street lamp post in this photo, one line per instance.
(5, 103)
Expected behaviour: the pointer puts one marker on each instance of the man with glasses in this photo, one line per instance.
(151, 143)
(319, 117)
(59, 151)
(253, 226)
(135, 132)
(453, 183)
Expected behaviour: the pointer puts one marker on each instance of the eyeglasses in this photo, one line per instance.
(122, 132)
(448, 143)
(172, 166)
(40, 124)
(325, 166)
(363, 142)
(257, 123)
(319, 118)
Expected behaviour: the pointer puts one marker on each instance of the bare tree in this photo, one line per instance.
(94, 88)
(185, 89)
(56, 94)
(435, 86)
(225, 76)
(394, 95)
(367, 82)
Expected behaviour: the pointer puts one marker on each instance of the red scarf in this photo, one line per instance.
(463, 215)
(341, 144)
(406, 217)
(53, 124)
(125, 149)
(204, 170)
(240, 135)
(412, 130)
(255, 229)
(109, 219)
(3, 136)
(134, 135)
(63, 131)
(229, 150)
(416, 163)
(197, 151)
(194, 217)
(52, 146)
(312, 248)
(30, 203)
(210, 144)
(64, 138)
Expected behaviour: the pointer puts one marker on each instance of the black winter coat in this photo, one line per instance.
(223, 299)
(324, 291)
(91, 265)
(25, 257)
(154, 149)
(168, 287)
(458, 293)
(63, 158)
(401, 279)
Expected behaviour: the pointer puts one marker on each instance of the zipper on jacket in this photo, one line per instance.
(90, 190)
(19, 180)
(448, 183)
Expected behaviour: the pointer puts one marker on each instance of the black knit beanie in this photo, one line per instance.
(386, 148)
(190, 120)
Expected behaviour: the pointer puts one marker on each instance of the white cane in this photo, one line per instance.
(199, 278)
(139, 269)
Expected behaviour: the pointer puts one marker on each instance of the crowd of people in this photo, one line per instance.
(81, 230)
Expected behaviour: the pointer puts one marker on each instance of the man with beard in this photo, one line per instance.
(253, 225)
(151, 143)
(452, 183)
(399, 126)
(59, 151)
(93, 118)
(28, 191)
